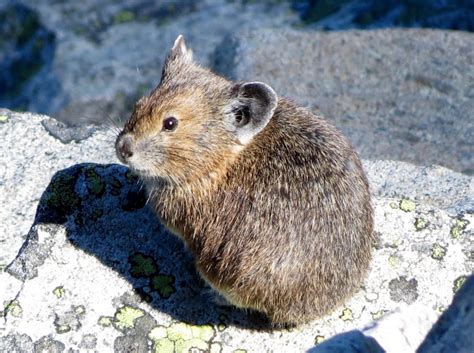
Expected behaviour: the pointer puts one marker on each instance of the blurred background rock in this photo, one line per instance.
(404, 95)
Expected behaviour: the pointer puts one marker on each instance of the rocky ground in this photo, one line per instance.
(97, 271)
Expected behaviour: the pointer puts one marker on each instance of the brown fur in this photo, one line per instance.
(281, 224)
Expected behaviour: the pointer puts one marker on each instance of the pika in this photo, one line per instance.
(271, 200)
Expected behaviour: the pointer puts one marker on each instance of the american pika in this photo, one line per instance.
(271, 200)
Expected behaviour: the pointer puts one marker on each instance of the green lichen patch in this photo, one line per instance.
(438, 252)
(407, 205)
(378, 314)
(420, 223)
(3, 118)
(123, 17)
(181, 337)
(105, 321)
(131, 178)
(346, 315)
(116, 185)
(319, 339)
(163, 285)
(458, 282)
(458, 227)
(60, 195)
(142, 265)
(125, 317)
(94, 182)
(58, 292)
(13, 308)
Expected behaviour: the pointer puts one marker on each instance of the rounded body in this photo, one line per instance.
(285, 227)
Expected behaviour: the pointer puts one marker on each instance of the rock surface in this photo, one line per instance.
(97, 271)
(344, 14)
(26, 55)
(397, 94)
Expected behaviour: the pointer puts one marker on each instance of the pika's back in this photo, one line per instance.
(291, 220)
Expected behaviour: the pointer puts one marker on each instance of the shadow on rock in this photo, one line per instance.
(103, 208)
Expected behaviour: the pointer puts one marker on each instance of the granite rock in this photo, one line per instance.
(97, 269)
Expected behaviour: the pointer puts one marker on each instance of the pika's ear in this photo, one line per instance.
(251, 109)
(180, 51)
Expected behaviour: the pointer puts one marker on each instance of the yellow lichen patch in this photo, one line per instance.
(164, 345)
(458, 282)
(438, 251)
(157, 333)
(346, 315)
(458, 227)
(3, 118)
(204, 332)
(407, 205)
(13, 308)
(80, 309)
(319, 339)
(393, 261)
(63, 329)
(378, 314)
(396, 243)
(184, 346)
(393, 205)
(216, 347)
(59, 292)
(240, 351)
(125, 317)
(420, 223)
(181, 337)
(180, 331)
(105, 321)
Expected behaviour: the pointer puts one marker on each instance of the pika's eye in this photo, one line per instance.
(170, 124)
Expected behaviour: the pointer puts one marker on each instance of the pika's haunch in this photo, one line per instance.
(271, 200)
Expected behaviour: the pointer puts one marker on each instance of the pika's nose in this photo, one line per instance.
(123, 147)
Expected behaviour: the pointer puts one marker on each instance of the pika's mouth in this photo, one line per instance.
(133, 153)
(124, 147)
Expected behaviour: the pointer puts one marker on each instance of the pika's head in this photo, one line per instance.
(193, 122)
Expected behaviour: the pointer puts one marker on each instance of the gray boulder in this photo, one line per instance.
(397, 94)
(26, 54)
(97, 271)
